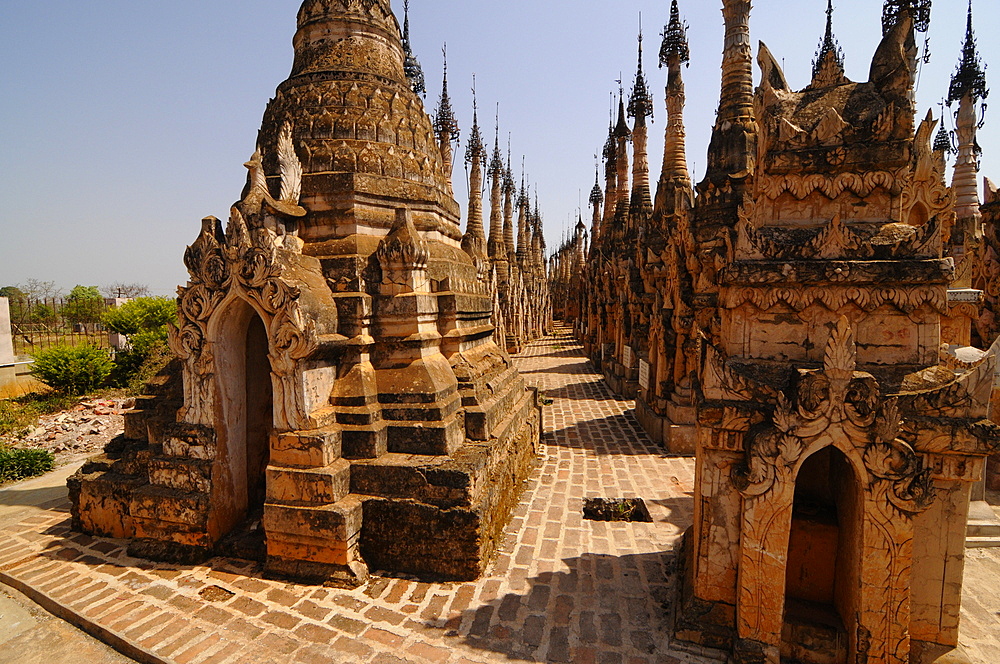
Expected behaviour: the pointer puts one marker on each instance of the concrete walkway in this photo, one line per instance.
(563, 589)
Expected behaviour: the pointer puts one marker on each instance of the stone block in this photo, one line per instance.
(162, 504)
(6, 340)
(313, 486)
(306, 449)
(135, 424)
(339, 521)
(188, 475)
(101, 503)
(361, 442)
(440, 438)
(427, 479)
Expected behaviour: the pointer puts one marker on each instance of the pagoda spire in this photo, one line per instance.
(674, 52)
(414, 72)
(622, 135)
(523, 233)
(446, 126)
(610, 175)
(968, 88)
(475, 154)
(596, 198)
(509, 192)
(640, 107)
(733, 147)
(828, 65)
(496, 247)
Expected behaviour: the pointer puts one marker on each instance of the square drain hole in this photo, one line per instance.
(616, 509)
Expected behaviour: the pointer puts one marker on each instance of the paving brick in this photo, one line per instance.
(315, 633)
(562, 589)
(384, 637)
(281, 619)
(248, 606)
(345, 624)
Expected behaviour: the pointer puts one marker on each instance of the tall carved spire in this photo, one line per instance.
(968, 88)
(537, 238)
(523, 232)
(674, 53)
(596, 198)
(736, 103)
(733, 147)
(610, 176)
(509, 191)
(640, 107)
(475, 153)
(414, 73)
(496, 248)
(446, 125)
(828, 65)
(622, 136)
(970, 75)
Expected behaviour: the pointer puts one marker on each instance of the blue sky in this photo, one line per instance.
(124, 123)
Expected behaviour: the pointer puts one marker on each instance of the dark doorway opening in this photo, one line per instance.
(822, 561)
(247, 540)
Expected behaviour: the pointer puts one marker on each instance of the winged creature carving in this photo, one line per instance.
(291, 179)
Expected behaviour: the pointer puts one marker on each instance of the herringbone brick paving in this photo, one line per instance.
(563, 589)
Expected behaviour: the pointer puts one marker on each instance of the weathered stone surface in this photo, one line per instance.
(796, 316)
(338, 322)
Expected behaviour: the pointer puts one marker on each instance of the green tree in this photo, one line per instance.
(144, 321)
(41, 314)
(142, 314)
(83, 306)
(18, 303)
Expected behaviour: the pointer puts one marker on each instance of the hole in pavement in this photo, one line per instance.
(616, 509)
(215, 594)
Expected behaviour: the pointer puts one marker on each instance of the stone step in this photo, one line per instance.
(982, 542)
(983, 520)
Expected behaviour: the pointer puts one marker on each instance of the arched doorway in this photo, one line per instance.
(246, 402)
(822, 574)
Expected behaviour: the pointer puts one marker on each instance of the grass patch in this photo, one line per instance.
(20, 464)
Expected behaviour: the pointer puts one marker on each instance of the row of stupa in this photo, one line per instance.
(805, 320)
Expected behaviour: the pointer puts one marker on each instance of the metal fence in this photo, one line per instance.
(37, 324)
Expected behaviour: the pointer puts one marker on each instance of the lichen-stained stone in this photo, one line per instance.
(804, 316)
(335, 325)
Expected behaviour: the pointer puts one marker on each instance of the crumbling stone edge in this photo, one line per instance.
(102, 634)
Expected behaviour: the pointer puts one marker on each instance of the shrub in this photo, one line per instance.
(144, 313)
(19, 464)
(73, 369)
(144, 321)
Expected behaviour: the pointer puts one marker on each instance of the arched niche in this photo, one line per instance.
(244, 414)
(822, 572)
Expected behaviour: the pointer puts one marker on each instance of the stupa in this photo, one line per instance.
(343, 396)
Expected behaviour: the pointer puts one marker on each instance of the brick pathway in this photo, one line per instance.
(563, 589)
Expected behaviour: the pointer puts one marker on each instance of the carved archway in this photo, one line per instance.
(839, 407)
(244, 411)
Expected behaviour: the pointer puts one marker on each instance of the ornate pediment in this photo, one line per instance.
(840, 406)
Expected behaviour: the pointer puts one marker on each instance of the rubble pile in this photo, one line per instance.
(81, 431)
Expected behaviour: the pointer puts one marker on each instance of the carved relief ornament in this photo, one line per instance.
(240, 263)
(838, 406)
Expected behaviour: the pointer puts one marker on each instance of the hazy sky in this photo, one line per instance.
(124, 123)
